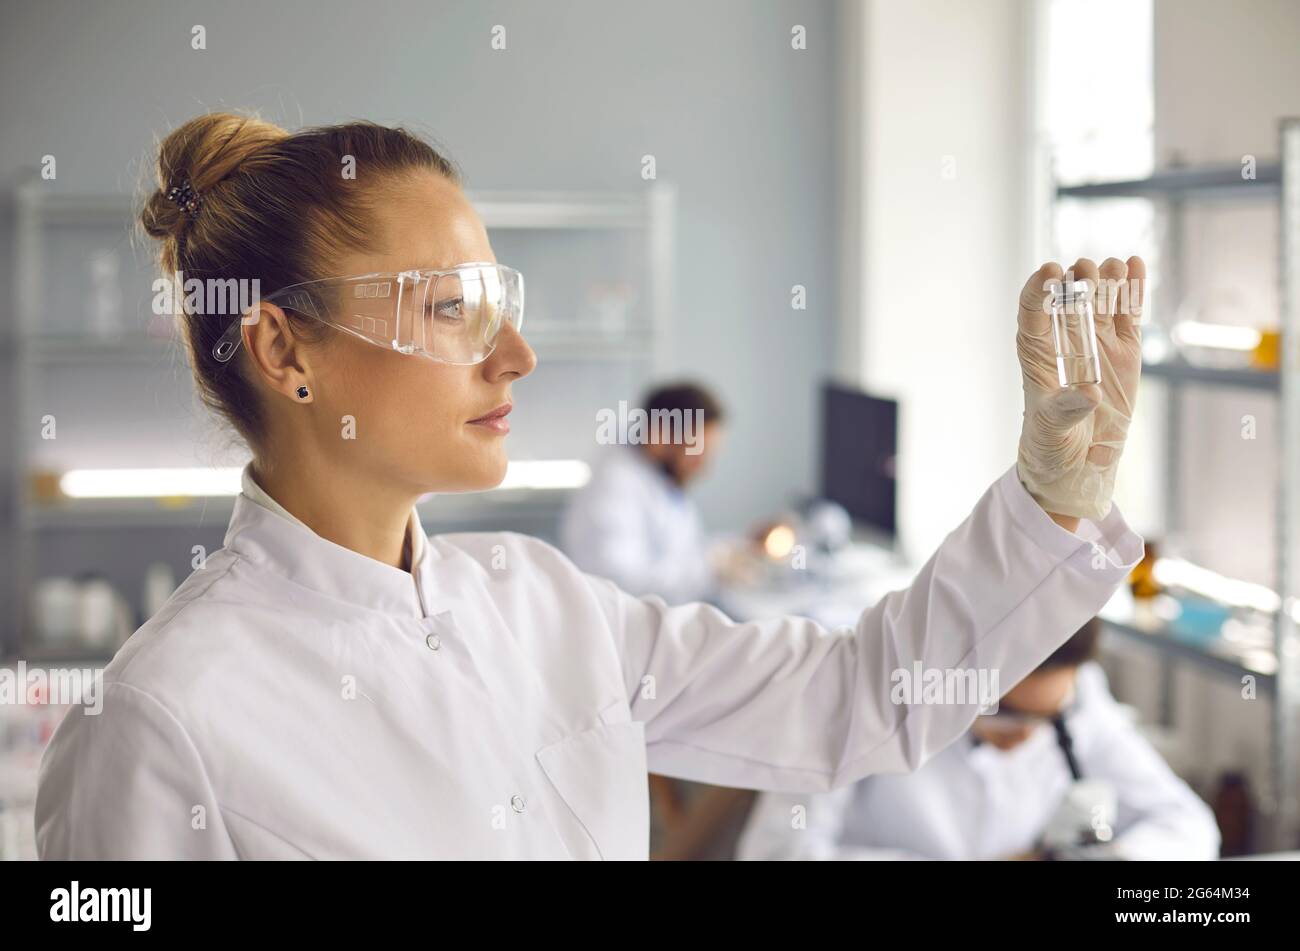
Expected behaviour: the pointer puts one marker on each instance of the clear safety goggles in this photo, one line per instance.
(452, 315)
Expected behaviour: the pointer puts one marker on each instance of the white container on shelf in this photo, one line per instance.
(104, 615)
(56, 608)
(159, 583)
(105, 301)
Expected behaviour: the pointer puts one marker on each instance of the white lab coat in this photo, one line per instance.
(973, 801)
(633, 525)
(296, 699)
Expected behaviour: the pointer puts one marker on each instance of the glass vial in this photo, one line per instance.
(1074, 330)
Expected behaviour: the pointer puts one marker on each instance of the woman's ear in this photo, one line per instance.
(277, 355)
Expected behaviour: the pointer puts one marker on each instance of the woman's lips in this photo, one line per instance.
(495, 420)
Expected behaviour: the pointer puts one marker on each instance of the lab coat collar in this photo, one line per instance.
(270, 537)
(249, 486)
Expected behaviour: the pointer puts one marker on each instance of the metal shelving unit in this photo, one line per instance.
(1223, 181)
(1173, 189)
(639, 225)
(1179, 372)
(1216, 657)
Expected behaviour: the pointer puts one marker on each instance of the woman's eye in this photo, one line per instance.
(449, 309)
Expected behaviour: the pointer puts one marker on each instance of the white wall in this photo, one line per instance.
(943, 259)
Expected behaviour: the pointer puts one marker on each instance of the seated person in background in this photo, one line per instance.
(994, 794)
(633, 523)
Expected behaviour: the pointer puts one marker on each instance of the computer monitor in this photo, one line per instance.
(859, 446)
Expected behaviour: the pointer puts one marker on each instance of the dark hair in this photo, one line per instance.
(686, 397)
(1078, 650)
(268, 205)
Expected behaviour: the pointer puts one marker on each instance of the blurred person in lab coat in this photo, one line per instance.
(634, 523)
(994, 793)
(335, 683)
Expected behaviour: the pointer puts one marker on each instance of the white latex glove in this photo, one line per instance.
(1072, 437)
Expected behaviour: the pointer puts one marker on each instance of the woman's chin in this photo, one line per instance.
(496, 478)
(489, 476)
(478, 471)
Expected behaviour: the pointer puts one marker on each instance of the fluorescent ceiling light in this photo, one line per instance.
(149, 483)
(1175, 572)
(225, 481)
(546, 474)
(1189, 333)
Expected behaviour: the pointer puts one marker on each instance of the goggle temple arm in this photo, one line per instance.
(229, 342)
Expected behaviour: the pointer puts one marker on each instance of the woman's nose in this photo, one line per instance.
(512, 354)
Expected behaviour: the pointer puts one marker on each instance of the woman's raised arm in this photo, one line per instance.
(784, 704)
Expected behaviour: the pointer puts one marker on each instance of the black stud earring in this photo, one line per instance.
(302, 392)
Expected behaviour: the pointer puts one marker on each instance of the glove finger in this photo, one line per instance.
(1128, 317)
(1035, 315)
(1084, 269)
(1111, 276)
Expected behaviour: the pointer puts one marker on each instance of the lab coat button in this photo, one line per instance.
(433, 641)
(517, 803)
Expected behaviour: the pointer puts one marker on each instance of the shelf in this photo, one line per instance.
(1178, 371)
(1191, 182)
(74, 208)
(59, 655)
(648, 209)
(1215, 655)
(78, 514)
(128, 349)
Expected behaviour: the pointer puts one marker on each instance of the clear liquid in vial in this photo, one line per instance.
(1075, 370)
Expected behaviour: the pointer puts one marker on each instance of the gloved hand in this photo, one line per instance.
(1072, 437)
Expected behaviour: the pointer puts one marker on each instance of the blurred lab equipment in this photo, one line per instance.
(859, 466)
(159, 583)
(56, 610)
(105, 299)
(1234, 810)
(80, 613)
(25, 728)
(1083, 825)
(829, 555)
(828, 527)
(1142, 581)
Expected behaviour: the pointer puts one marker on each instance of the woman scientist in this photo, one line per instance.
(333, 683)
